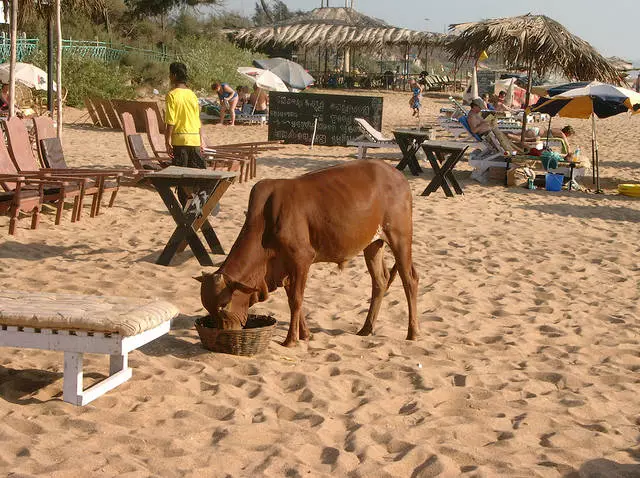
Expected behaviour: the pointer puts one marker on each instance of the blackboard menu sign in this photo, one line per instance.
(486, 82)
(292, 116)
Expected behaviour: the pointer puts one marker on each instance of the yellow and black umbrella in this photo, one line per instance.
(588, 100)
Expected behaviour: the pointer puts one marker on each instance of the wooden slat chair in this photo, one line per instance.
(111, 113)
(25, 187)
(250, 151)
(228, 161)
(102, 116)
(75, 325)
(142, 161)
(91, 110)
(16, 200)
(90, 183)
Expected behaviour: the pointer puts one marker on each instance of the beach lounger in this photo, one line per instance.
(370, 138)
(90, 182)
(79, 324)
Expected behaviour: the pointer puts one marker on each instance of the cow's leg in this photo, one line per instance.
(374, 257)
(295, 293)
(400, 244)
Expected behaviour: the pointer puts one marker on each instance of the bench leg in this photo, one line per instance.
(72, 387)
(119, 372)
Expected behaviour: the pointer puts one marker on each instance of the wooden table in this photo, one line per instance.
(409, 141)
(209, 186)
(443, 157)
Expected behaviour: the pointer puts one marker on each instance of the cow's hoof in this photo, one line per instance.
(289, 343)
(413, 336)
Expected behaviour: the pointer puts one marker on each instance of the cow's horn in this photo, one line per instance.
(202, 277)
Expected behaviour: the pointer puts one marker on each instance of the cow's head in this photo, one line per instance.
(228, 301)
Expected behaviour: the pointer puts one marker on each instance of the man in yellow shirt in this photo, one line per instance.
(182, 117)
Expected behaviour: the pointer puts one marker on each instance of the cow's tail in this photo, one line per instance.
(392, 274)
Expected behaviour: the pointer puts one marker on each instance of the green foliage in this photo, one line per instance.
(163, 7)
(213, 59)
(87, 77)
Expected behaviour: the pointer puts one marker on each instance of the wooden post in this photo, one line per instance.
(59, 68)
(12, 58)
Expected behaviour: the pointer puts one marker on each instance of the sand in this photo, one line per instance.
(527, 366)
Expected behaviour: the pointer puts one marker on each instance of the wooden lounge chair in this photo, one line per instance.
(52, 190)
(370, 138)
(227, 160)
(91, 182)
(14, 199)
(91, 111)
(77, 324)
(142, 161)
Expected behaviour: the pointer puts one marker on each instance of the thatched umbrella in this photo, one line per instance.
(339, 27)
(535, 42)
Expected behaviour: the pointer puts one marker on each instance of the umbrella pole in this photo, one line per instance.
(549, 131)
(593, 149)
(595, 140)
(258, 92)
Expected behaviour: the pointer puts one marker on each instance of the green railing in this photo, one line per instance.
(99, 50)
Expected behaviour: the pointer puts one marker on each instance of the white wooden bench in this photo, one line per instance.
(77, 324)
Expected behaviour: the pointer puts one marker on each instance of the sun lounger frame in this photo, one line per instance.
(75, 343)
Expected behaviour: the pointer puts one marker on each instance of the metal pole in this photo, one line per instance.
(12, 58)
(50, 71)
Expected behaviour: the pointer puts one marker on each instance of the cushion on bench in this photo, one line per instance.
(119, 315)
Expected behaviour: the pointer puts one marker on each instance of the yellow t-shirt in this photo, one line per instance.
(183, 112)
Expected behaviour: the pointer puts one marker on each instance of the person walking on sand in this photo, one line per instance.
(183, 129)
(228, 100)
(416, 96)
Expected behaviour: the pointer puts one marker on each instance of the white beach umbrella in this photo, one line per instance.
(29, 75)
(264, 79)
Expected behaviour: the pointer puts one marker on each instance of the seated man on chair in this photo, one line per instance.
(477, 123)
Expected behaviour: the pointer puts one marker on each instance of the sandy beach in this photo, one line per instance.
(527, 365)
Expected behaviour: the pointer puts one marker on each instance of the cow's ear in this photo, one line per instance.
(199, 278)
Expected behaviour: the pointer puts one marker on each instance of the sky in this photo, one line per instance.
(612, 32)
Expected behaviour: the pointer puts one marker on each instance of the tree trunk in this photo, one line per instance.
(59, 68)
(265, 9)
(12, 60)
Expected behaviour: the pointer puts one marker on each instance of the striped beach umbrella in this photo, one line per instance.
(580, 100)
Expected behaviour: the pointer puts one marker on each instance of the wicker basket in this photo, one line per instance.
(251, 340)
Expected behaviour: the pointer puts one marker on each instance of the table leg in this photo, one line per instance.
(211, 237)
(214, 198)
(448, 167)
(438, 180)
(184, 229)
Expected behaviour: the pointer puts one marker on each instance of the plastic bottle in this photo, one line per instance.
(576, 155)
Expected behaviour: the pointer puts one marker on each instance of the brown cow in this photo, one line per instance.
(328, 215)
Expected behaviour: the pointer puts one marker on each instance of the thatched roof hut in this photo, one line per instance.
(337, 27)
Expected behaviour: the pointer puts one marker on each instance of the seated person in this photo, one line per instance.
(561, 133)
(487, 102)
(260, 100)
(500, 105)
(477, 123)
